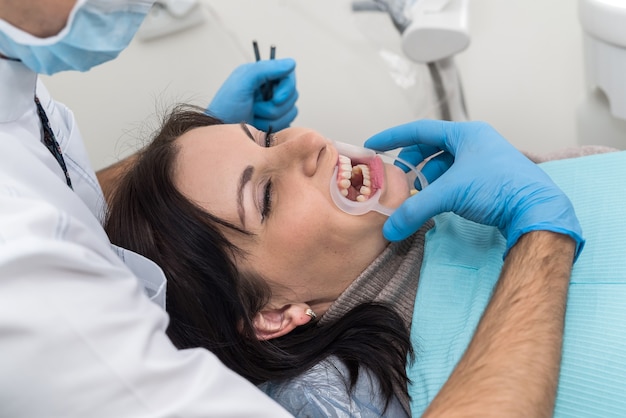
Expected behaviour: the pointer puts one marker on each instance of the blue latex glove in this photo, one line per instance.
(479, 176)
(240, 98)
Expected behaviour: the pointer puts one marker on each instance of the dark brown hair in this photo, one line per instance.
(211, 304)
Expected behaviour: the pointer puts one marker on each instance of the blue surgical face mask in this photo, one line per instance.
(96, 32)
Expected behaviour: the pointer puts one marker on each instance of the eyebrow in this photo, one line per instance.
(243, 180)
(244, 126)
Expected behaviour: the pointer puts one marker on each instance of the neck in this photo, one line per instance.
(392, 279)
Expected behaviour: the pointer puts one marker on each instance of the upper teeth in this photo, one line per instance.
(347, 172)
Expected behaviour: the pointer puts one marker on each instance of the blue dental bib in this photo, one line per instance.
(461, 265)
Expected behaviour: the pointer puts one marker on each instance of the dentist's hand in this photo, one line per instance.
(479, 176)
(240, 98)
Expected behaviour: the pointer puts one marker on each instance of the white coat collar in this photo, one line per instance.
(18, 90)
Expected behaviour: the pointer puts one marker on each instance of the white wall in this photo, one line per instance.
(523, 71)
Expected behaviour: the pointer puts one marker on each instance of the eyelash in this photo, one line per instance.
(267, 197)
(269, 138)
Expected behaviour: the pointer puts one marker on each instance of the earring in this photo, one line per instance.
(310, 313)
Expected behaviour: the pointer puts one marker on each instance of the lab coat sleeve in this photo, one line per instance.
(80, 339)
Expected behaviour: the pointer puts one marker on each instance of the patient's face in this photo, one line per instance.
(307, 248)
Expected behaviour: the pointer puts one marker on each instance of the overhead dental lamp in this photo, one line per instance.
(438, 29)
(433, 32)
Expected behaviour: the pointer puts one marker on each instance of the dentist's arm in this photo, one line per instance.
(512, 363)
(511, 366)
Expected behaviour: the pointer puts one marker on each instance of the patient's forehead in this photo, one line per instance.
(213, 136)
(204, 142)
(209, 164)
(206, 147)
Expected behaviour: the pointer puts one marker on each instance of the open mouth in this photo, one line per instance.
(358, 180)
(355, 179)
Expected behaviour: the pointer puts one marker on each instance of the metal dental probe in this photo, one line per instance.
(267, 89)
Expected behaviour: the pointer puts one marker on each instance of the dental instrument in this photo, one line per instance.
(257, 55)
(267, 90)
(358, 187)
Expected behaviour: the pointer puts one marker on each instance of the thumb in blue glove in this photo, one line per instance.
(240, 98)
(479, 176)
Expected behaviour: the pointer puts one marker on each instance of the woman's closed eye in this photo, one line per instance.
(264, 139)
(269, 139)
(266, 206)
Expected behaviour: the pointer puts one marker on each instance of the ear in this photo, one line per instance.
(276, 322)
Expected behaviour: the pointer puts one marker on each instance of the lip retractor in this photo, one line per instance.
(360, 155)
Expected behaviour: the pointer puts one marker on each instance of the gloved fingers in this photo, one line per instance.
(413, 213)
(277, 124)
(284, 90)
(272, 110)
(415, 154)
(427, 132)
(437, 165)
(261, 72)
(443, 135)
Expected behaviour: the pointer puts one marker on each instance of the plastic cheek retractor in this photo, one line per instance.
(374, 173)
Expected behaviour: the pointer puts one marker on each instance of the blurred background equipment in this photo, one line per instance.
(601, 116)
(522, 72)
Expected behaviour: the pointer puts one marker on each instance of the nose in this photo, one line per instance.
(302, 151)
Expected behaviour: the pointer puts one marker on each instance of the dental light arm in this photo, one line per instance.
(438, 30)
(433, 31)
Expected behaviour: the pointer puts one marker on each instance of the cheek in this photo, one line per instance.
(301, 223)
(291, 248)
(310, 224)
(310, 239)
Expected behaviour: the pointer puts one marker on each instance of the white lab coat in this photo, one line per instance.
(78, 336)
